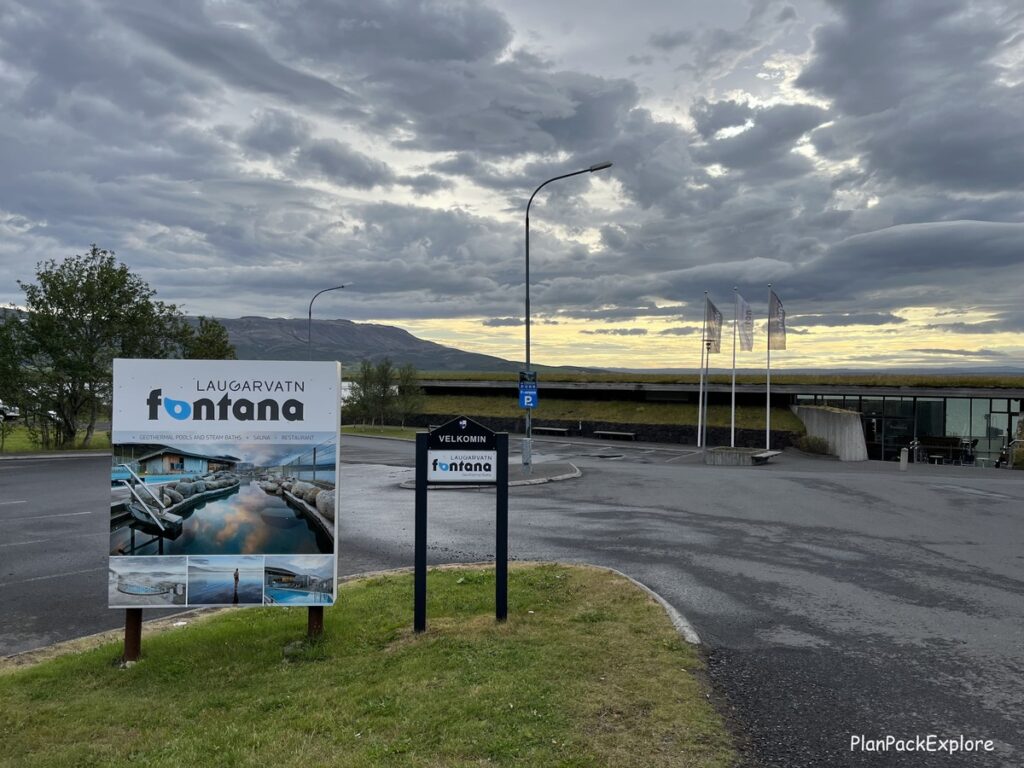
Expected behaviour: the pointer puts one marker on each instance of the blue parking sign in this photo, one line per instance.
(527, 398)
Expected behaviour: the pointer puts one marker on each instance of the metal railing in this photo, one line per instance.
(131, 489)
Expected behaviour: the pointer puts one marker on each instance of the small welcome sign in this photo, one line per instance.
(462, 451)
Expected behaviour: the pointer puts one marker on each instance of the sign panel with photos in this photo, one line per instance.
(224, 483)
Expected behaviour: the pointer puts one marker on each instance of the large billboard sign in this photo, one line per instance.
(224, 483)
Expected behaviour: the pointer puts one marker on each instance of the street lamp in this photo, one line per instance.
(309, 323)
(528, 440)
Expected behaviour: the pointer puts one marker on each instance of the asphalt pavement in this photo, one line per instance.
(835, 600)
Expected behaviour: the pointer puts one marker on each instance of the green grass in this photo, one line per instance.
(778, 377)
(403, 433)
(18, 440)
(586, 672)
(620, 412)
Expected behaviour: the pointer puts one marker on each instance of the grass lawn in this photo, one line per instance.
(18, 440)
(586, 672)
(619, 411)
(404, 433)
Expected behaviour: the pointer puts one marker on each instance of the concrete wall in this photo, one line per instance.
(841, 429)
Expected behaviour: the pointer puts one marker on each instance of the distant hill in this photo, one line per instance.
(277, 338)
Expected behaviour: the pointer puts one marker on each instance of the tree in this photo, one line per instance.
(81, 314)
(11, 369)
(208, 341)
(377, 393)
(383, 399)
(408, 395)
(358, 405)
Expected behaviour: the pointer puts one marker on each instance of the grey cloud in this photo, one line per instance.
(684, 330)
(876, 55)
(772, 136)
(619, 313)
(1007, 321)
(422, 32)
(711, 117)
(503, 322)
(617, 332)
(425, 183)
(834, 321)
(669, 41)
(276, 132)
(923, 92)
(232, 55)
(337, 161)
(716, 51)
(960, 352)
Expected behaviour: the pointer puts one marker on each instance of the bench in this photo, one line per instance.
(553, 430)
(763, 456)
(614, 434)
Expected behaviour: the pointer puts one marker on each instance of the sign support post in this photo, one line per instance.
(315, 622)
(420, 567)
(501, 532)
(132, 634)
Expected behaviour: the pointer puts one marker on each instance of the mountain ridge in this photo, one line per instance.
(279, 338)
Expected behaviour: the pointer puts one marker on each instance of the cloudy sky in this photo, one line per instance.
(866, 157)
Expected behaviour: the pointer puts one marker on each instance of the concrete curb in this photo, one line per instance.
(410, 485)
(29, 658)
(85, 453)
(679, 622)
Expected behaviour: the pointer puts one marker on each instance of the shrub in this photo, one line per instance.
(811, 444)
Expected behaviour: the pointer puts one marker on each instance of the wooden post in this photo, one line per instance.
(132, 634)
(419, 600)
(315, 622)
(501, 530)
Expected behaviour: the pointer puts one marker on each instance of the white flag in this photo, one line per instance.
(713, 326)
(746, 326)
(776, 322)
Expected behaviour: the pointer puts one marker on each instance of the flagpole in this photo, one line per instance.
(700, 390)
(768, 403)
(707, 378)
(735, 323)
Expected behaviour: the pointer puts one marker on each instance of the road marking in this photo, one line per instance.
(56, 538)
(23, 501)
(44, 517)
(53, 576)
(682, 456)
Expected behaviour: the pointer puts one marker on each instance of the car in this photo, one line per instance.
(8, 412)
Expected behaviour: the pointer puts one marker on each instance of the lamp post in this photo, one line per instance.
(309, 322)
(528, 440)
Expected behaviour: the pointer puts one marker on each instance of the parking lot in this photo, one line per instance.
(834, 599)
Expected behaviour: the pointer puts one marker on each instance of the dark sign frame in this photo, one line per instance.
(423, 446)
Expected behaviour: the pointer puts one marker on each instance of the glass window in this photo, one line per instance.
(899, 406)
(1000, 422)
(1015, 406)
(958, 416)
(871, 406)
(851, 403)
(1015, 427)
(832, 402)
(980, 416)
(929, 416)
(999, 406)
